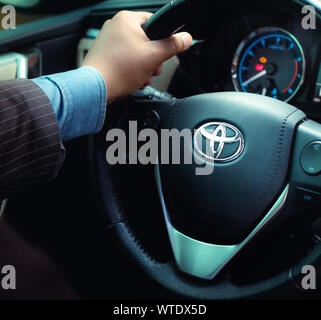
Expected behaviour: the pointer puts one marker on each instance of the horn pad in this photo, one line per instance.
(250, 138)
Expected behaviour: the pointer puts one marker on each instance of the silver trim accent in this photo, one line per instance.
(3, 205)
(92, 33)
(206, 260)
(21, 61)
(29, 62)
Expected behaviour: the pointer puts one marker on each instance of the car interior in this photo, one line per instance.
(108, 228)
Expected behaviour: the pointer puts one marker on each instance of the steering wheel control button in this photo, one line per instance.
(311, 158)
(308, 197)
(151, 120)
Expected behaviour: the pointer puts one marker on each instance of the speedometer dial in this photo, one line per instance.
(270, 62)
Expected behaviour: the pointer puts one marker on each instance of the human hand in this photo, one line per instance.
(126, 58)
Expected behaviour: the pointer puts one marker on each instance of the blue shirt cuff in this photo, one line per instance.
(79, 99)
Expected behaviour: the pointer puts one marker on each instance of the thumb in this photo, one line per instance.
(177, 43)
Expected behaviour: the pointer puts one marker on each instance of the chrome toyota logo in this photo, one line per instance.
(219, 141)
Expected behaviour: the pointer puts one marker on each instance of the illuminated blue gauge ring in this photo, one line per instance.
(270, 62)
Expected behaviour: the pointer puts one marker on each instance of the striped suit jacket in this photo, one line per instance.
(30, 147)
(30, 152)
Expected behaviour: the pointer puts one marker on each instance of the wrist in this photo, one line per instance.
(106, 76)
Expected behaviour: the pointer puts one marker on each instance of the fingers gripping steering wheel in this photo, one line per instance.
(210, 219)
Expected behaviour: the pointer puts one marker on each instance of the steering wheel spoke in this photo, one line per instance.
(206, 260)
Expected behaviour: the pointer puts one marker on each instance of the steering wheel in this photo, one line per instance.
(266, 161)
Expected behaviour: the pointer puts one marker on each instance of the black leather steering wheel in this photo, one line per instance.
(210, 219)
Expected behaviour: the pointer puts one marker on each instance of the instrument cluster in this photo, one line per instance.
(270, 62)
(263, 51)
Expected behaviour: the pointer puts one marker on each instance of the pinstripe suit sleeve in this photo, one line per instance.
(30, 147)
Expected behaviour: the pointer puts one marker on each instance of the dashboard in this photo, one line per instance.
(264, 51)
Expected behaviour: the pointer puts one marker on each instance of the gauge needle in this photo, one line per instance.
(257, 76)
